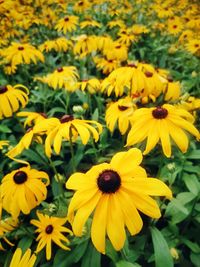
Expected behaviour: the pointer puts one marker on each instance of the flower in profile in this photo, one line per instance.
(67, 24)
(11, 97)
(89, 23)
(159, 124)
(67, 129)
(85, 45)
(121, 112)
(92, 85)
(116, 51)
(7, 225)
(23, 189)
(23, 260)
(18, 53)
(62, 77)
(106, 65)
(60, 44)
(50, 230)
(115, 192)
(32, 117)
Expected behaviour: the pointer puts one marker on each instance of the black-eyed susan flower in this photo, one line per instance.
(18, 53)
(50, 230)
(81, 6)
(89, 23)
(115, 192)
(159, 124)
(6, 226)
(92, 85)
(11, 98)
(23, 189)
(60, 44)
(67, 24)
(120, 112)
(172, 90)
(106, 65)
(23, 260)
(62, 77)
(67, 129)
(193, 46)
(116, 51)
(85, 45)
(24, 143)
(32, 117)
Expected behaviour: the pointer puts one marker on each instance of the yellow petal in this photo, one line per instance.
(164, 137)
(153, 137)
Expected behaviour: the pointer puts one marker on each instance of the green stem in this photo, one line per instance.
(71, 150)
(57, 175)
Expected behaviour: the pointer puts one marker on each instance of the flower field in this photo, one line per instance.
(99, 133)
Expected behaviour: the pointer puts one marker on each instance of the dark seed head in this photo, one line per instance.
(66, 19)
(159, 113)
(122, 108)
(60, 69)
(20, 48)
(109, 181)
(3, 89)
(20, 177)
(49, 229)
(66, 118)
(148, 74)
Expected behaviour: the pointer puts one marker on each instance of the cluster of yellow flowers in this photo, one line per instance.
(139, 99)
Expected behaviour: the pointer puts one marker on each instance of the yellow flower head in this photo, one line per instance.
(62, 77)
(32, 117)
(193, 46)
(115, 192)
(26, 260)
(106, 65)
(89, 23)
(67, 24)
(85, 45)
(121, 112)
(60, 44)
(81, 6)
(7, 225)
(22, 54)
(50, 230)
(67, 128)
(23, 189)
(159, 124)
(11, 97)
(92, 85)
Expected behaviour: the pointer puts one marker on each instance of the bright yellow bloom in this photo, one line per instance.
(27, 259)
(18, 53)
(50, 230)
(89, 23)
(32, 117)
(161, 123)
(10, 99)
(62, 77)
(114, 192)
(193, 46)
(81, 6)
(85, 45)
(173, 90)
(60, 44)
(121, 112)
(106, 65)
(67, 128)
(7, 225)
(92, 85)
(67, 24)
(116, 51)
(23, 189)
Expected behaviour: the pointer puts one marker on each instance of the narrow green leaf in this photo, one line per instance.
(192, 183)
(92, 258)
(127, 264)
(163, 257)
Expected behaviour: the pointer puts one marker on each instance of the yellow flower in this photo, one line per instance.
(81, 6)
(60, 44)
(21, 261)
(32, 117)
(6, 226)
(89, 23)
(193, 46)
(116, 51)
(67, 24)
(92, 85)
(172, 91)
(115, 192)
(50, 230)
(67, 128)
(18, 53)
(23, 189)
(120, 111)
(175, 26)
(106, 65)
(62, 77)
(161, 123)
(85, 45)
(10, 99)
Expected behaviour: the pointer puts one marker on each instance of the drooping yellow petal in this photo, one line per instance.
(164, 137)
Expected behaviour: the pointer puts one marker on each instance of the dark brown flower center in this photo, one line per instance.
(80, 3)
(122, 108)
(148, 74)
(66, 19)
(20, 48)
(175, 26)
(43, 114)
(196, 45)
(49, 229)
(109, 181)
(3, 89)
(60, 69)
(160, 113)
(20, 177)
(118, 46)
(66, 118)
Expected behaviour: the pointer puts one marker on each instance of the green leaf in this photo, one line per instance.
(91, 258)
(192, 183)
(193, 246)
(126, 264)
(25, 243)
(195, 259)
(194, 154)
(5, 129)
(161, 249)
